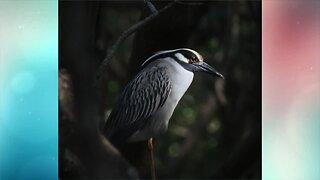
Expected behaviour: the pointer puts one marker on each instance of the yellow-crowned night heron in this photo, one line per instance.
(148, 101)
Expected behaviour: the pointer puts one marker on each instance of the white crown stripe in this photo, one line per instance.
(194, 52)
(156, 54)
(181, 57)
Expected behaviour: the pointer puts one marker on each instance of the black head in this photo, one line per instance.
(188, 58)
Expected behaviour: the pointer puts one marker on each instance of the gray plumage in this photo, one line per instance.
(149, 99)
(152, 86)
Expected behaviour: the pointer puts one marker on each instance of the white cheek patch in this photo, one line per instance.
(181, 57)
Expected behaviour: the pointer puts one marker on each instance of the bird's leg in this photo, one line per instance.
(153, 169)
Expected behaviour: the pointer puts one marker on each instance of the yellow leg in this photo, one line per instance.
(153, 169)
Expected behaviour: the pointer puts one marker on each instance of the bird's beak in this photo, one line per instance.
(204, 67)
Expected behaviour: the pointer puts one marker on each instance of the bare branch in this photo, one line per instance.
(151, 6)
(126, 34)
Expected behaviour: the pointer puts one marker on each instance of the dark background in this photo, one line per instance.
(215, 131)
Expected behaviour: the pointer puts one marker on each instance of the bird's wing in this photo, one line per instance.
(141, 98)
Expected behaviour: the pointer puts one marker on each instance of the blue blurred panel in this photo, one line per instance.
(29, 91)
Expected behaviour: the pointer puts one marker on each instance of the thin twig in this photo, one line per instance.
(126, 34)
(151, 6)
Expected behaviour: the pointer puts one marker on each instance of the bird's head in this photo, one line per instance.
(188, 58)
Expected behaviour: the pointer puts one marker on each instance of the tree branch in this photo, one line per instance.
(151, 6)
(127, 33)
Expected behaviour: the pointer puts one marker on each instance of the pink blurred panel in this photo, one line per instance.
(291, 46)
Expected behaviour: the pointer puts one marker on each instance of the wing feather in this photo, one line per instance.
(141, 98)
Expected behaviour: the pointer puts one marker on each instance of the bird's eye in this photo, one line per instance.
(193, 59)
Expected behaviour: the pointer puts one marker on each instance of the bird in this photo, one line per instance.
(148, 101)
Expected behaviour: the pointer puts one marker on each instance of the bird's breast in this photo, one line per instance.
(180, 80)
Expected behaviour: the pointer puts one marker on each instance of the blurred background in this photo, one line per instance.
(215, 131)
